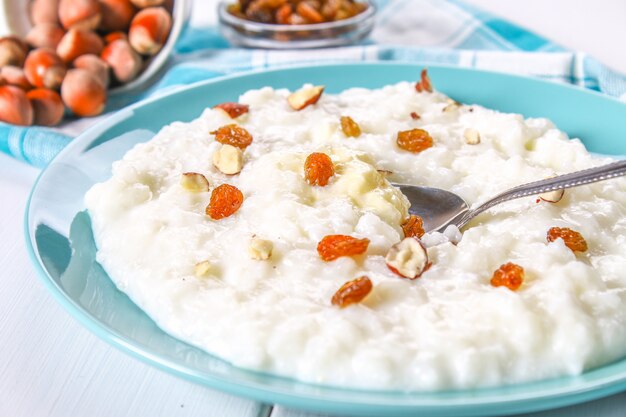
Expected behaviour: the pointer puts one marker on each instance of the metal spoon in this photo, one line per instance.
(440, 208)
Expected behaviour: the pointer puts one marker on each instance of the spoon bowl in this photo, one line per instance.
(435, 206)
(440, 208)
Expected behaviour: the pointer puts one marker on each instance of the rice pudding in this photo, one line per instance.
(252, 288)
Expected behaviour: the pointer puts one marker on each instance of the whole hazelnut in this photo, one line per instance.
(44, 68)
(122, 59)
(15, 76)
(80, 14)
(12, 51)
(149, 30)
(116, 15)
(15, 107)
(77, 42)
(45, 35)
(83, 93)
(95, 65)
(47, 106)
(44, 11)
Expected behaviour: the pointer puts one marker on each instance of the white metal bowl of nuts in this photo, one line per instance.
(129, 43)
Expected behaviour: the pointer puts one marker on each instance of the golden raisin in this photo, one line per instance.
(413, 227)
(349, 127)
(414, 140)
(233, 109)
(332, 247)
(309, 13)
(225, 201)
(283, 14)
(424, 83)
(508, 275)
(233, 135)
(572, 239)
(330, 8)
(318, 168)
(352, 292)
(296, 19)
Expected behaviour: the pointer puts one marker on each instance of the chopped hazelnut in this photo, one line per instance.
(408, 258)
(201, 269)
(228, 159)
(194, 182)
(472, 137)
(305, 97)
(552, 196)
(260, 249)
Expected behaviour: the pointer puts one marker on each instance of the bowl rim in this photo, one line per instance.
(233, 21)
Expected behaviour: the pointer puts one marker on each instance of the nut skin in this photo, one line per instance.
(116, 15)
(45, 35)
(552, 196)
(77, 42)
(12, 51)
(123, 60)
(95, 65)
(15, 76)
(54, 78)
(408, 258)
(47, 106)
(305, 97)
(168, 5)
(80, 14)
(44, 68)
(113, 36)
(149, 30)
(451, 107)
(142, 4)
(424, 84)
(233, 110)
(194, 182)
(44, 11)
(83, 93)
(15, 107)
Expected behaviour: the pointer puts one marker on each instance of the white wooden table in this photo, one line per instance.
(51, 366)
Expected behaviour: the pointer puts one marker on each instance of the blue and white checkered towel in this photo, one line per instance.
(422, 31)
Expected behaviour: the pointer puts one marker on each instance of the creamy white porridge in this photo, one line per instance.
(270, 309)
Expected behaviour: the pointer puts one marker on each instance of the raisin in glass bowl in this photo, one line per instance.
(243, 32)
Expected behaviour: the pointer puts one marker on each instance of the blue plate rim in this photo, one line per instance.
(551, 398)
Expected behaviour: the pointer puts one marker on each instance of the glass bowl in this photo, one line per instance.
(244, 32)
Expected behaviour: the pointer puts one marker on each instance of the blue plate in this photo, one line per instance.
(59, 238)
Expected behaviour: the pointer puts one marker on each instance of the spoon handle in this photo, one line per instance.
(573, 179)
